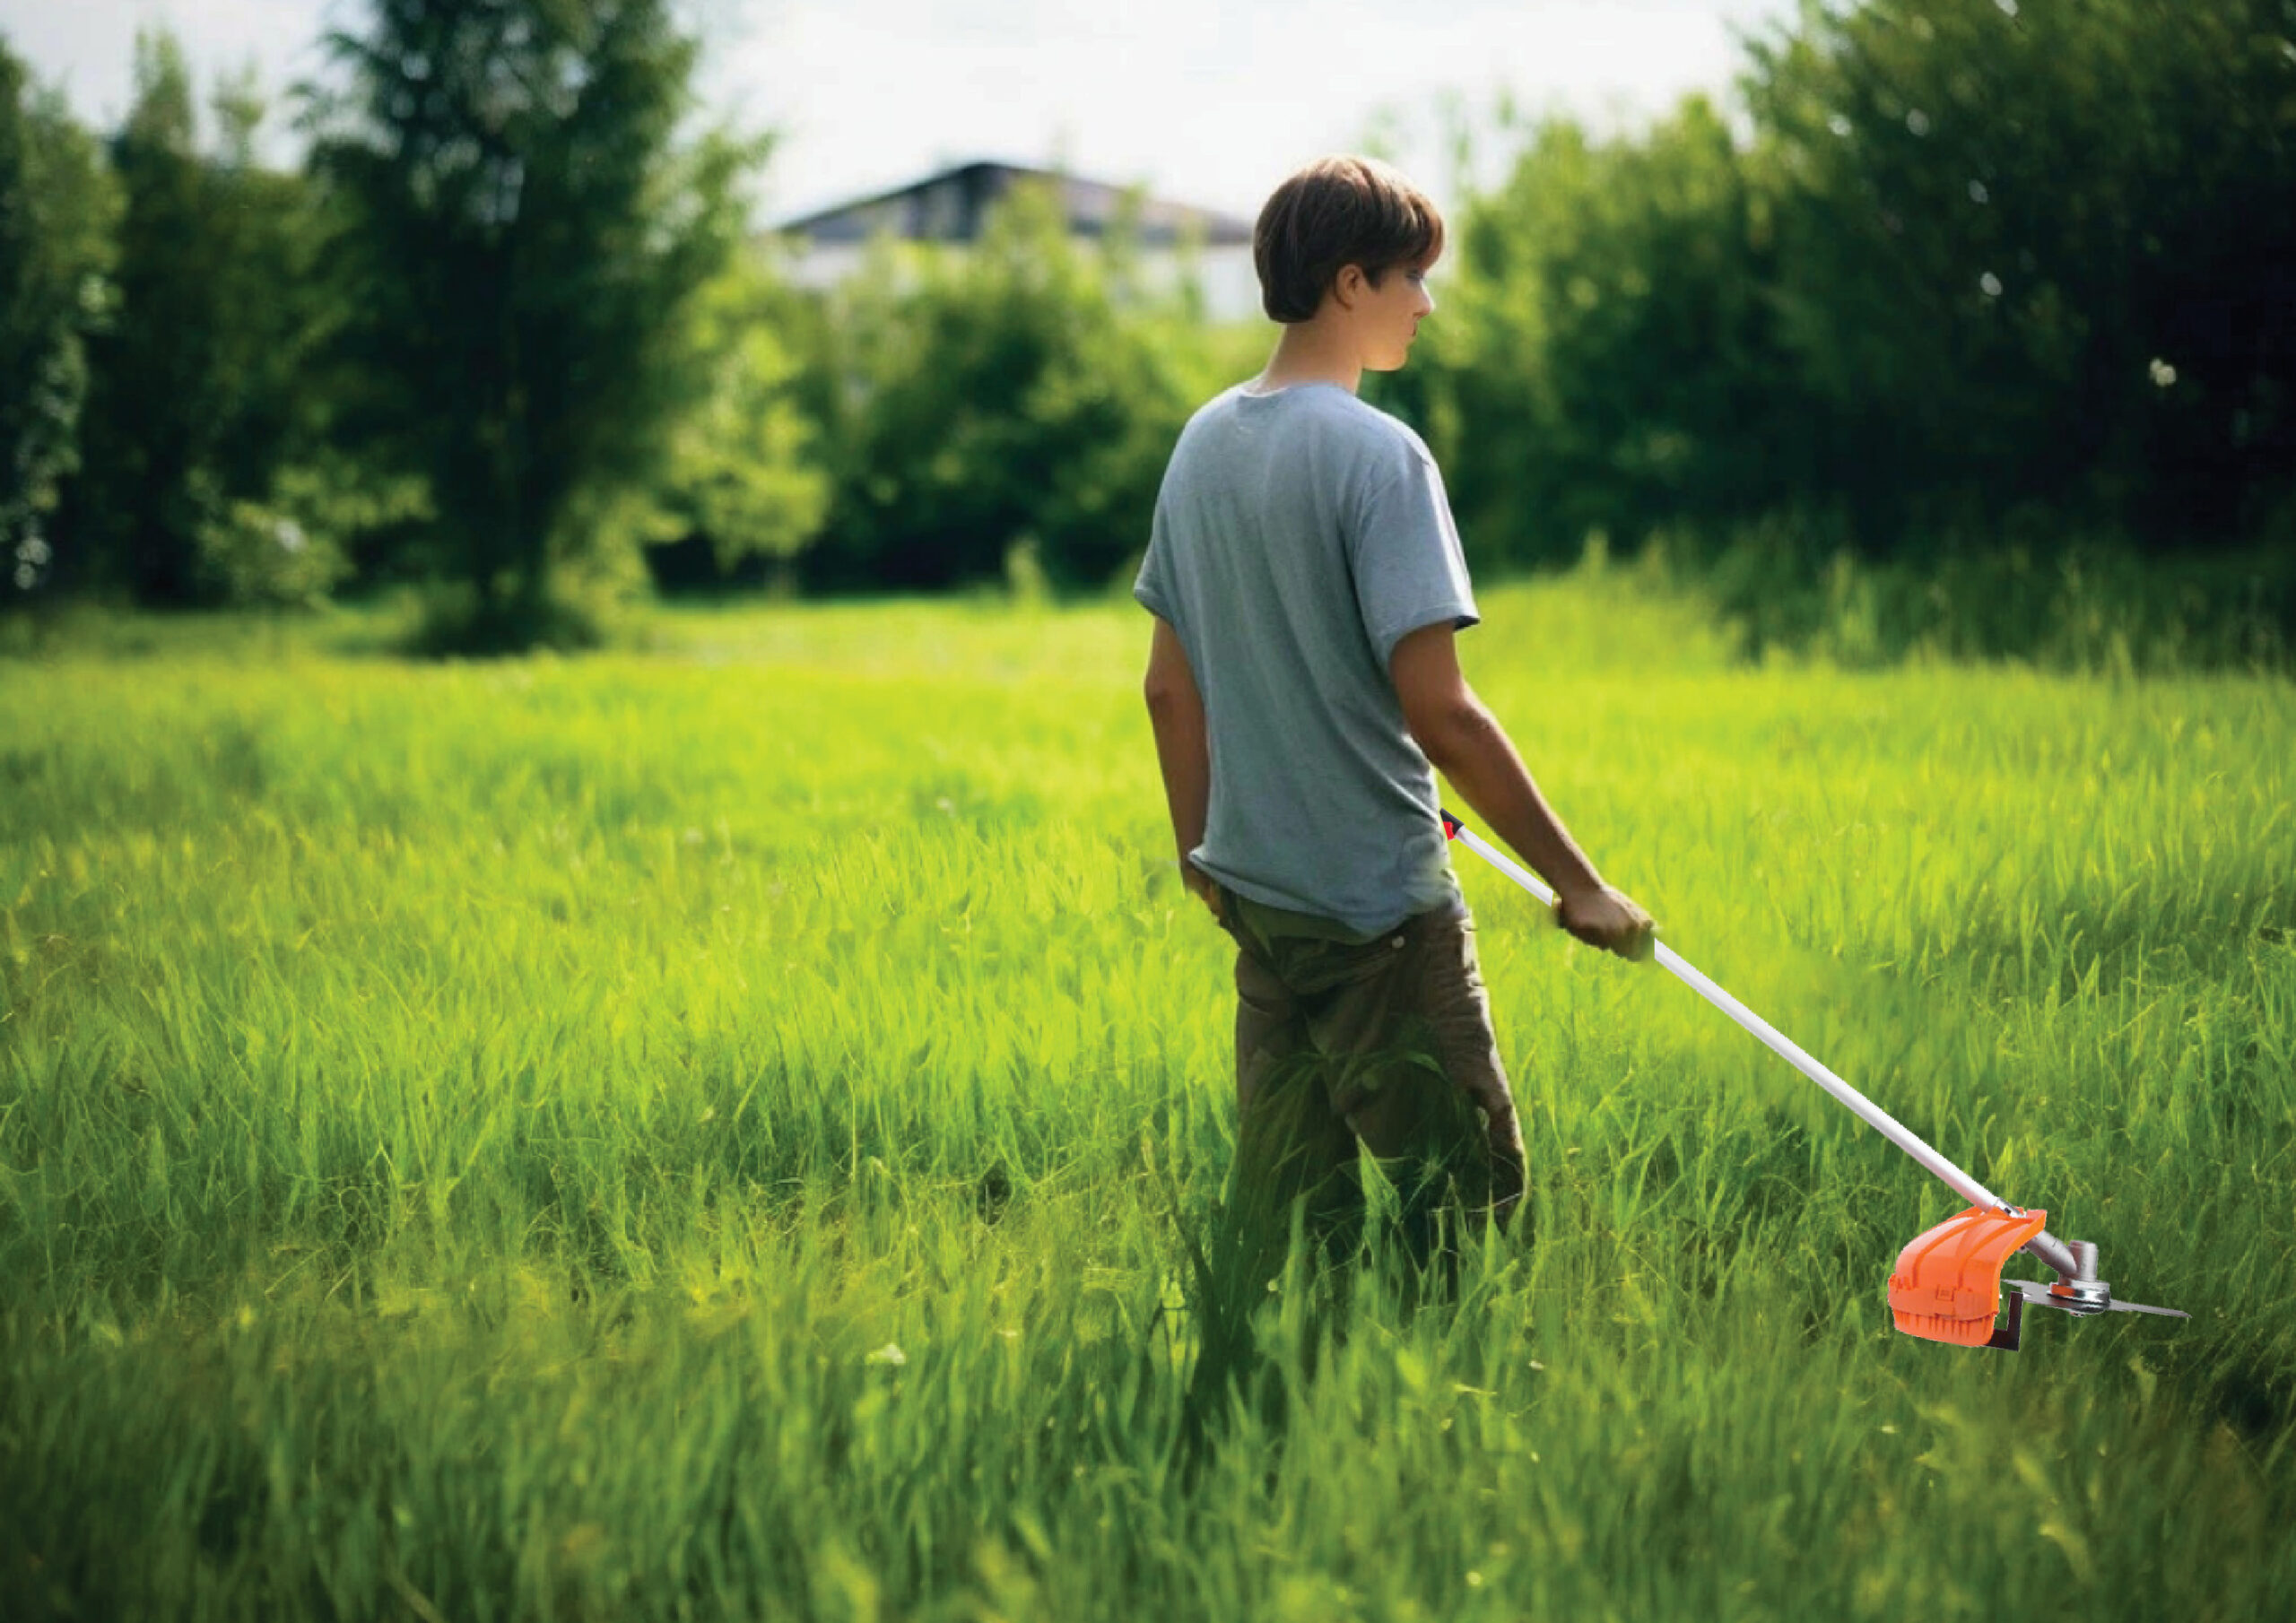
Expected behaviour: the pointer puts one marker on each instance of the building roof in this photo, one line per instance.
(952, 206)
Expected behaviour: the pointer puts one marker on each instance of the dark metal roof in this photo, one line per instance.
(952, 206)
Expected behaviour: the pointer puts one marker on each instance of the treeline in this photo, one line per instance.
(1983, 330)
(510, 331)
(1972, 325)
(503, 328)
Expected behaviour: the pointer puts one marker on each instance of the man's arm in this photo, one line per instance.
(1183, 749)
(1466, 744)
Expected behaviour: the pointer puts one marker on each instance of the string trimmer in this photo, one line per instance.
(1948, 1285)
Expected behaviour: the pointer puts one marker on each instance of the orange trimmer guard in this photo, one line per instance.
(1947, 1286)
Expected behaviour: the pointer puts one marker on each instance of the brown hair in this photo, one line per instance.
(1338, 212)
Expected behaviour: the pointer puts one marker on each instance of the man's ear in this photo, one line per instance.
(1349, 285)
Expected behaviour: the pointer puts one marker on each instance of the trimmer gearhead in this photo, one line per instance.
(1948, 1285)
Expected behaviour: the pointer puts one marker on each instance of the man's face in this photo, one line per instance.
(1387, 316)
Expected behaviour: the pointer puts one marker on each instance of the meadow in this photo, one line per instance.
(719, 1131)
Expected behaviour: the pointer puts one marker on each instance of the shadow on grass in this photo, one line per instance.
(1270, 1295)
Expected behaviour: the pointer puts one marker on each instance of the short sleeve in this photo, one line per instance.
(1404, 548)
(1152, 587)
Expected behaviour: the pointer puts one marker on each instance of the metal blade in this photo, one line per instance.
(2037, 1291)
(2170, 1313)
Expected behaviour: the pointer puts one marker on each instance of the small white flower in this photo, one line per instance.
(889, 1354)
(2163, 374)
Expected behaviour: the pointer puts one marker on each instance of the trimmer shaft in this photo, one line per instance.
(1948, 1285)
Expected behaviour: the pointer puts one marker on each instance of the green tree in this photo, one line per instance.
(2040, 254)
(197, 395)
(1603, 357)
(525, 235)
(1982, 291)
(990, 404)
(742, 474)
(57, 212)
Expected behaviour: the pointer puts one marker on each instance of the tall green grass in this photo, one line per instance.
(718, 1132)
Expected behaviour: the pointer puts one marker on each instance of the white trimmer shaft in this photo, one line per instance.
(2078, 1289)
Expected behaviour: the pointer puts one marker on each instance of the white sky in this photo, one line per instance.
(1206, 101)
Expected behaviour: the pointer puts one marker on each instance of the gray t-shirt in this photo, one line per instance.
(1298, 536)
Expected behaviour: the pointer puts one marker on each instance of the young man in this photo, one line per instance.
(1306, 580)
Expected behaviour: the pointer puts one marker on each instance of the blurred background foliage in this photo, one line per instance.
(1964, 327)
(1015, 404)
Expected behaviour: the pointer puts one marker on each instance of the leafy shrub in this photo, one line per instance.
(1001, 397)
(293, 548)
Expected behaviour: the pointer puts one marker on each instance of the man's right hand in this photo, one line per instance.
(1607, 918)
(1464, 741)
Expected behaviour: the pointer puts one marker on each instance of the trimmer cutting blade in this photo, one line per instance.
(1948, 1285)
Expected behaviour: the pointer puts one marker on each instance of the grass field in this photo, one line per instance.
(714, 1132)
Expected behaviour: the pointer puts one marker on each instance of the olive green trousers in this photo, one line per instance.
(1385, 1043)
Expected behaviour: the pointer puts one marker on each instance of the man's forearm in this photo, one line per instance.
(1481, 764)
(1184, 753)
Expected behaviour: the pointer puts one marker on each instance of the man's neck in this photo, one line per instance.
(1310, 352)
